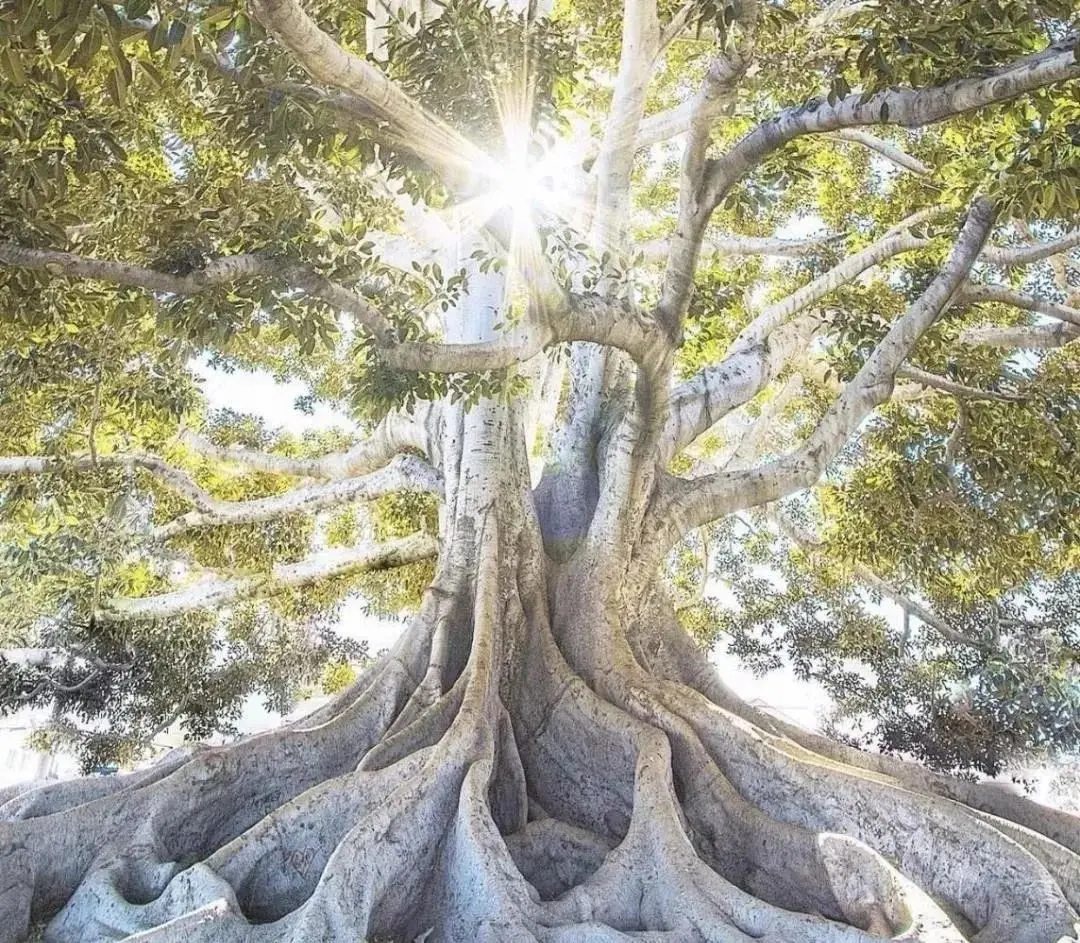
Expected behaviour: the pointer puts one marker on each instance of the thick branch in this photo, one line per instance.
(676, 120)
(905, 106)
(586, 318)
(614, 162)
(329, 564)
(698, 501)
(405, 473)
(720, 83)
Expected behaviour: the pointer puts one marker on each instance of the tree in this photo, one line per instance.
(499, 259)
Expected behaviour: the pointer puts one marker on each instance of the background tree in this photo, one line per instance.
(546, 263)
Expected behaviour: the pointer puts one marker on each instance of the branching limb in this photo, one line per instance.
(217, 272)
(698, 501)
(998, 294)
(886, 149)
(585, 318)
(326, 565)
(701, 401)
(405, 473)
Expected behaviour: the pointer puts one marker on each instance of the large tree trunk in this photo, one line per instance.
(540, 757)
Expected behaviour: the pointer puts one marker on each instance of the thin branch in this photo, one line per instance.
(677, 24)
(959, 390)
(174, 478)
(1025, 255)
(395, 433)
(50, 684)
(916, 219)
(998, 294)
(217, 272)
(748, 447)
(803, 538)
(657, 249)
(694, 502)
(886, 149)
(406, 473)
(329, 564)
(842, 274)
(1037, 337)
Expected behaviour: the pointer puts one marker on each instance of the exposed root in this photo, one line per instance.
(1047, 834)
(51, 797)
(193, 810)
(521, 804)
(1000, 888)
(673, 655)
